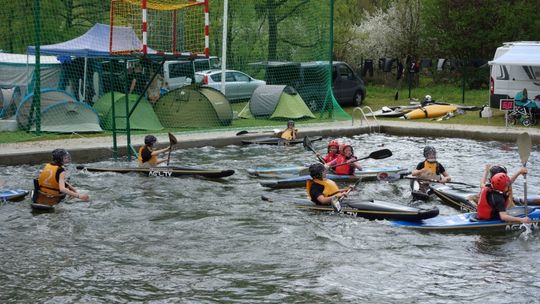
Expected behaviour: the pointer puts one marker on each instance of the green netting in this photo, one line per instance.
(278, 42)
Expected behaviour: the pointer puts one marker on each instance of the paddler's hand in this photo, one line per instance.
(83, 197)
(525, 220)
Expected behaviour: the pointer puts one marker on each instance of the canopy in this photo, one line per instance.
(523, 55)
(95, 43)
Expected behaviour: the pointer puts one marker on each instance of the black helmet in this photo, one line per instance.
(60, 156)
(150, 140)
(316, 170)
(497, 169)
(290, 123)
(429, 150)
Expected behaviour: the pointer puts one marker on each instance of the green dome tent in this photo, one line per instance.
(194, 106)
(143, 118)
(276, 102)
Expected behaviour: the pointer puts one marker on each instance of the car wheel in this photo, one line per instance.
(357, 99)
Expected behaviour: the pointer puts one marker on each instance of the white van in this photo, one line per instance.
(515, 66)
(178, 73)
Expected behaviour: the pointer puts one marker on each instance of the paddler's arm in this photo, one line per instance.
(508, 218)
(157, 152)
(484, 176)
(69, 190)
(521, 171)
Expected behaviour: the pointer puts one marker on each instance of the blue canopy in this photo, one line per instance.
(95, 43)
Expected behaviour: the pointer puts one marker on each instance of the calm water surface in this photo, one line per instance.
(188, 240)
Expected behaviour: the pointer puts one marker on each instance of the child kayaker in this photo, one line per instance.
(332, 151)
(289, 133)
(344, 163)
(147, 155)
(323, 191)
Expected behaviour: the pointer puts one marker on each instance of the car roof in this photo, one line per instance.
(214, 71)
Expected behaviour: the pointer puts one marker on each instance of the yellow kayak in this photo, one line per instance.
(430, 111)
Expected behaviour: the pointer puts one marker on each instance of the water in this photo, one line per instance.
(188, 240)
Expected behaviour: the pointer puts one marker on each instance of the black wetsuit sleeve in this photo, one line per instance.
(146, 154)
(420, 166)
(440, 169)
(315, 191)
(497, 202)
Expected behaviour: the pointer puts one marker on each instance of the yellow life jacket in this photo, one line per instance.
(330, 187)
(47, 180)
(153, 161)
(431, 167)
(288, 134)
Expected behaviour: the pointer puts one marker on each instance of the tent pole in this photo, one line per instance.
(84, 79)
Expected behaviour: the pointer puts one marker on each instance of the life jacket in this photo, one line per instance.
(484, 209)
(330, 187)
(288, 134)
(431, 167)
(330, 157)
(48, 182)
(347, 169)
(153, 161)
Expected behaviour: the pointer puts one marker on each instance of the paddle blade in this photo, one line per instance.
(380, 154)
(307, 144)
(524, 146)
(242, 132)
(172, 139)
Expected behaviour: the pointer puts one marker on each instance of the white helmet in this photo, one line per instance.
(427, 98)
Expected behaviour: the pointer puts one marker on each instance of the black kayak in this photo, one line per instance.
(457, 198)
(420, 192)
(372, 209)
(164, 171)
(276, 141)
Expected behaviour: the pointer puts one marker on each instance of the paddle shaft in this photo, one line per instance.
(307, 145)
(172, 142)
(437, 181)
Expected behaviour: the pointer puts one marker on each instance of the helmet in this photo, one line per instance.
(500, 181)
(497, 169)
(60, 156)
(290, 123)
(430, 151)
(427, 98)
(317, 170)
(348, 146)
(150, 140)
(333, 143)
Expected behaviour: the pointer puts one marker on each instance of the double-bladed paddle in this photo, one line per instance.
(308, 146)
(437, 181)
(247, 132)
(524, 146)
(172, 141)
(337, 204)
(379, 154)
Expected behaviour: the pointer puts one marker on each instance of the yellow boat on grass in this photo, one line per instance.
(430, 111)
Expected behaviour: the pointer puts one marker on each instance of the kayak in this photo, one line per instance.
(373, 209)
(430, 111)
(468, 221)
(12, 195)
(164, 171)
(295, 170)
(276, 141)
(457, 198)
(300, 181)
(420, 192)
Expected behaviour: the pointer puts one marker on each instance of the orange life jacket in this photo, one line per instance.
(153, 161)
(330, 187)
(288, 134)
(48, 181)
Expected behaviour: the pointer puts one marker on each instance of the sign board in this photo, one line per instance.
(506, 104)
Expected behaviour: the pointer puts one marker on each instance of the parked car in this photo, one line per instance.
(178, 73)
(238, 85)
(347, 86)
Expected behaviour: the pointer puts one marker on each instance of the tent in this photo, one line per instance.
(10, 98)
(60, 112)
(194, 106)
(276, 102)
(95, 43)
(143, 118)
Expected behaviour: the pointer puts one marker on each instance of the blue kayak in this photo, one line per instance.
(296, 170)
(368, 174)
(468, 221)
(12, 195)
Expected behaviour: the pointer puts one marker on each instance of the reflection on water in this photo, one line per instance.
(193, 240)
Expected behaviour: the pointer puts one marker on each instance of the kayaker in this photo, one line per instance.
(491, 170)
(333, 151)
(289, 133)
(323, 191)
(494, 200)
(345, 158)
(148, 157)
(51, 186)
(430, 168)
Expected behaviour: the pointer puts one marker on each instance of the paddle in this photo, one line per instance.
(308, 146)
(172, 141)
(379, 154)
(388, 177)
(247, 132)
(437, 181)
(524, 147)
(337, 204)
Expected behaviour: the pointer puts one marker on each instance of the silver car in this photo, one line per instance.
(238, 85)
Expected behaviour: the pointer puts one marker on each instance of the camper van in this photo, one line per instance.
(515, 66)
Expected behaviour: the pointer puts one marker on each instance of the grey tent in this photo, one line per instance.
(194, 106)
(60, 112)
(276, 102)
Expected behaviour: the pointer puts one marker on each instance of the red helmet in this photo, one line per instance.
(348, 146)
(500, 181)
(333, 143)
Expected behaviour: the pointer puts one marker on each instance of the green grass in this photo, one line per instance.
(377, 97)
